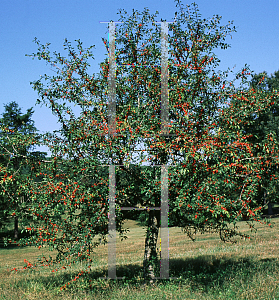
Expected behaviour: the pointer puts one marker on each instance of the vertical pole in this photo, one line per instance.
(164, 79)
(111, 80)
(112, 226)
(112, 130)
(164, 270)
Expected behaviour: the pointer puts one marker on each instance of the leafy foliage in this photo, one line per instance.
(17, 136)
(263, 128)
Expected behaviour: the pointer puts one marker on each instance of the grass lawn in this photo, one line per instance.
(208, 269)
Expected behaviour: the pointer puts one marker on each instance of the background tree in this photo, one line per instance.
(15, 126)
(264, 82)
(262, 124)
(262, 137)
(211, 160)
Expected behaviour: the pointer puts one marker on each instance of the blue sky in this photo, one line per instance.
(256, 41)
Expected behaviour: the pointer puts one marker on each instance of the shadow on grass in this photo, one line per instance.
(208, 271)
(204, 272)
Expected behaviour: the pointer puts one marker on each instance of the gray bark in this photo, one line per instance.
(16, 228)
(151, 260)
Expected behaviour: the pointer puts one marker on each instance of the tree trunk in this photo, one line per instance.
(16, 228)
(151, 260)
(270, 210)
(269, 205)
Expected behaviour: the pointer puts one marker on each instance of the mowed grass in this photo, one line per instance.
(207, 269)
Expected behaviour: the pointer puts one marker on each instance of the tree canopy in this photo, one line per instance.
(16, 134)
(264, 82)
(262, 126)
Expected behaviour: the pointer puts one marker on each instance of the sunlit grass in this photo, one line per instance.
(207, 268)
